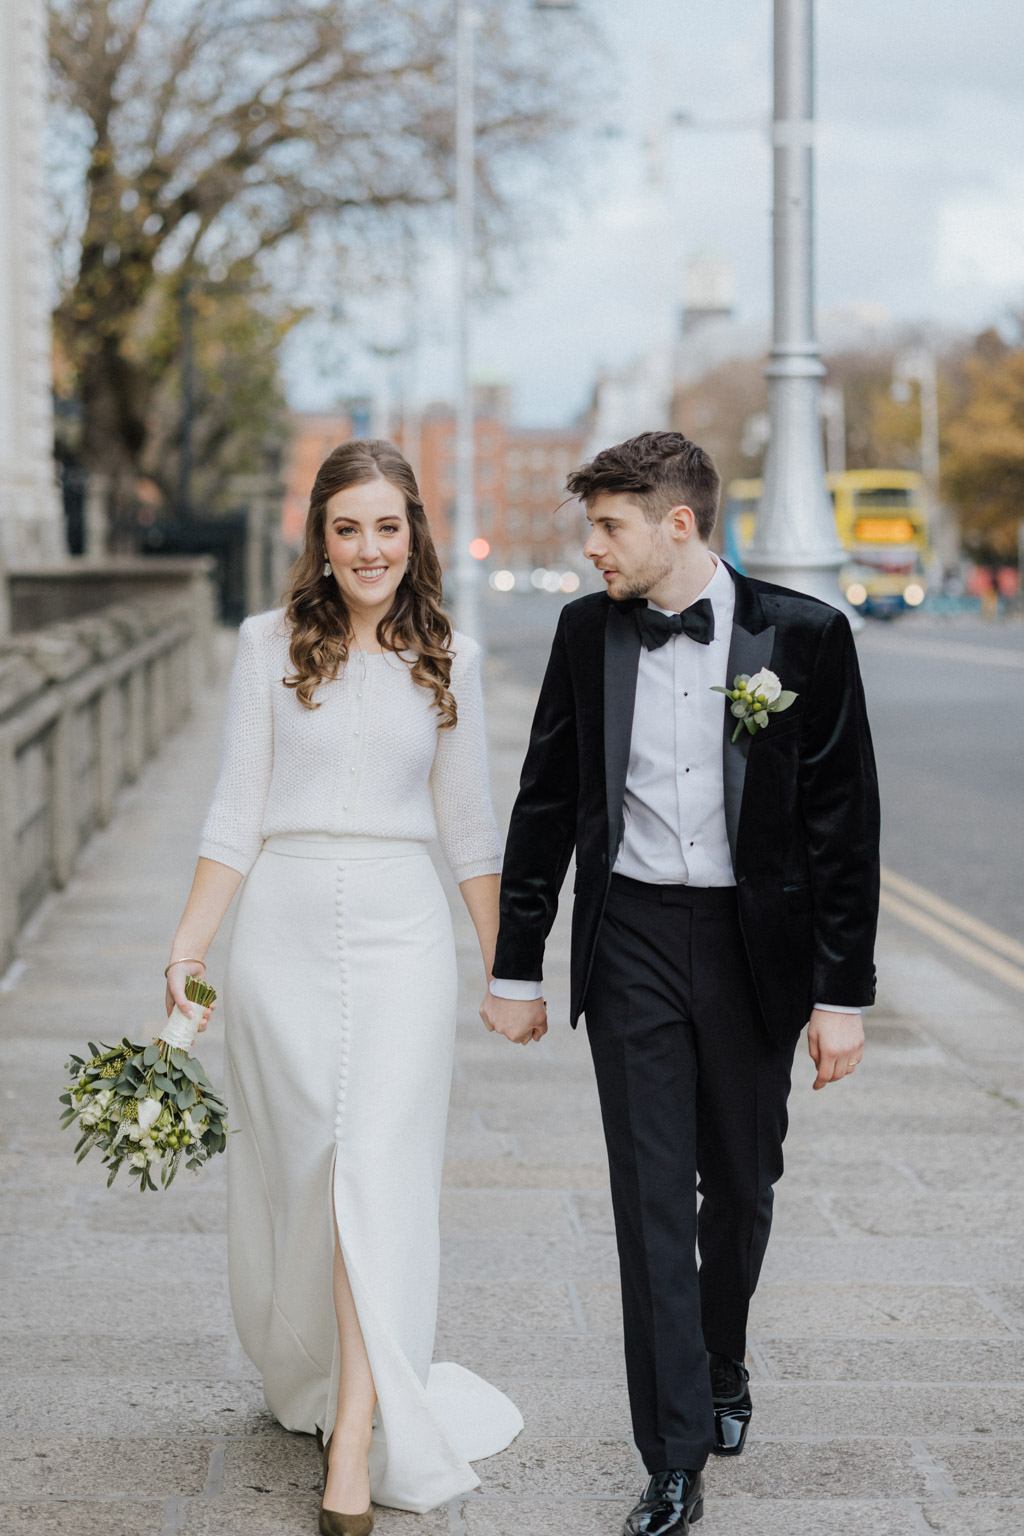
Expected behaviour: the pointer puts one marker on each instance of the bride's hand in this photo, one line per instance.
(519, 1022)
(174, 995)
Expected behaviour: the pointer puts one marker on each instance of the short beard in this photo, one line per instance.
(657, 566)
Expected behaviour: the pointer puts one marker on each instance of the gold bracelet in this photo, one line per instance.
(186, 960)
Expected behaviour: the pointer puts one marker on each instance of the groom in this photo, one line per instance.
(726, 895)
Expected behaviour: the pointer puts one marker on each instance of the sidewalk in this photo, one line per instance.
(888, 1333)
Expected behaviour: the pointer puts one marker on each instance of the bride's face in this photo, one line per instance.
(367, 538)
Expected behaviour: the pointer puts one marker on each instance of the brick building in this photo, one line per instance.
(520, 478)
(520, 484)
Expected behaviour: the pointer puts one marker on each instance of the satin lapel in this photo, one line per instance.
(621, 660)
(749, 650)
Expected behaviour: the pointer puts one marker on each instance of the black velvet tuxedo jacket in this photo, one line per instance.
(801, 802)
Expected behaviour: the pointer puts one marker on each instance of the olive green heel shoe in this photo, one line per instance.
(332, 1522)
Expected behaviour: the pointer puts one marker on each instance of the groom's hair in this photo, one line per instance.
(657, 470)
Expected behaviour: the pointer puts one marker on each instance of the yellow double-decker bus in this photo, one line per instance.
(882, 522)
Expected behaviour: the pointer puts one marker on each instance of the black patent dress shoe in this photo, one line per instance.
(733, 1407)
(673, 1502)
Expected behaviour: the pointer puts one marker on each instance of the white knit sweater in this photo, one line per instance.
(370, 762)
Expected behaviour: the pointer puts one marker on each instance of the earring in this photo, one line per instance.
(327, 567)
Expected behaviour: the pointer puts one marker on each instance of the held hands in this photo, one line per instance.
(177, 975)
(836, 1044)
(518, 1022)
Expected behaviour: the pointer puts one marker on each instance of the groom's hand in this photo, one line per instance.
(518, 1022)
(836, 1044)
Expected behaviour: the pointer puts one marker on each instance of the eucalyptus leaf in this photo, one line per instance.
(150, 1056)
(186, 1098)
(784, 700)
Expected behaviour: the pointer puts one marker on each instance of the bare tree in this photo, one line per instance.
(213, 133)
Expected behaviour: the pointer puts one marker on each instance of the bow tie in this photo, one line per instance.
(697, 621)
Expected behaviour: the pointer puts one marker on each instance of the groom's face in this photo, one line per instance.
(631, 553)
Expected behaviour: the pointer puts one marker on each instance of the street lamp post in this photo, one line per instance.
(795, 542)
(467, 578)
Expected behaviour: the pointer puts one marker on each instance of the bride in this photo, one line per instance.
(354, 736)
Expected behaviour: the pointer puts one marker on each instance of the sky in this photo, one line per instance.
(919, 188)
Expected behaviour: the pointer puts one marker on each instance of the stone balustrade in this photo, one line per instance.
(83, 704)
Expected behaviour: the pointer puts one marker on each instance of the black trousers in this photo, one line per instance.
(693, 1097)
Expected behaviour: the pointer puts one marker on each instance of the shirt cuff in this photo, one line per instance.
(517, 991)
(835, 1008)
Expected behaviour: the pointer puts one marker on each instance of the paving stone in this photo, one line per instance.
(51, 1402)
(808, 1517)
(832, 1469)
(791, 1409)
(985, 1261)
(602, 1305)
(211, 1355)
(527, 1261)
(956, 1213)
(273, 1463)
(482, 1516)
(871, 1309)
(73, 1468)
(975, 1517)
(486, 1307)
(516, 1172)
(919, 1360)
(504, 1212)
(534, 1356)
(993, 1469)
(567, 1468)
(75, 1517)
(561, 1410)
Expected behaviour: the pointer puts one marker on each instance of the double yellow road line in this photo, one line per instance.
(966, 936)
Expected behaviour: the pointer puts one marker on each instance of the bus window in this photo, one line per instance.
(885, 496)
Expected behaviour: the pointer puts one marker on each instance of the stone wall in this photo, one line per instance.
(83, 704)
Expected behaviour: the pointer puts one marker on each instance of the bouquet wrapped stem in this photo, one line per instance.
(148, 1105)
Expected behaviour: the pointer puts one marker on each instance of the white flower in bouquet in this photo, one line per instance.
(147, 1104)
(149, 1114)
(197, 1128)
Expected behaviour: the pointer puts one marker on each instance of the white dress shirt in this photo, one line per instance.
(674, 802)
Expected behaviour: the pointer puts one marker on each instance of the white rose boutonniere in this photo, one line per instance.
(754, 699)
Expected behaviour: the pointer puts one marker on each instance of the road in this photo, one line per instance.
(948, 723)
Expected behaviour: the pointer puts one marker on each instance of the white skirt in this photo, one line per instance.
(340, 1023)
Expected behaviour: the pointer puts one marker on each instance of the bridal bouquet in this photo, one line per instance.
(148, 1104)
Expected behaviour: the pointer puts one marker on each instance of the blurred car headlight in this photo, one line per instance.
(502, 581)
(856, 593)
(570, 582)
(913, 594)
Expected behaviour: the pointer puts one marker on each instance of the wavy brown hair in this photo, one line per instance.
(317, 614)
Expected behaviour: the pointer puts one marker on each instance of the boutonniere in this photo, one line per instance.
(754, 699)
